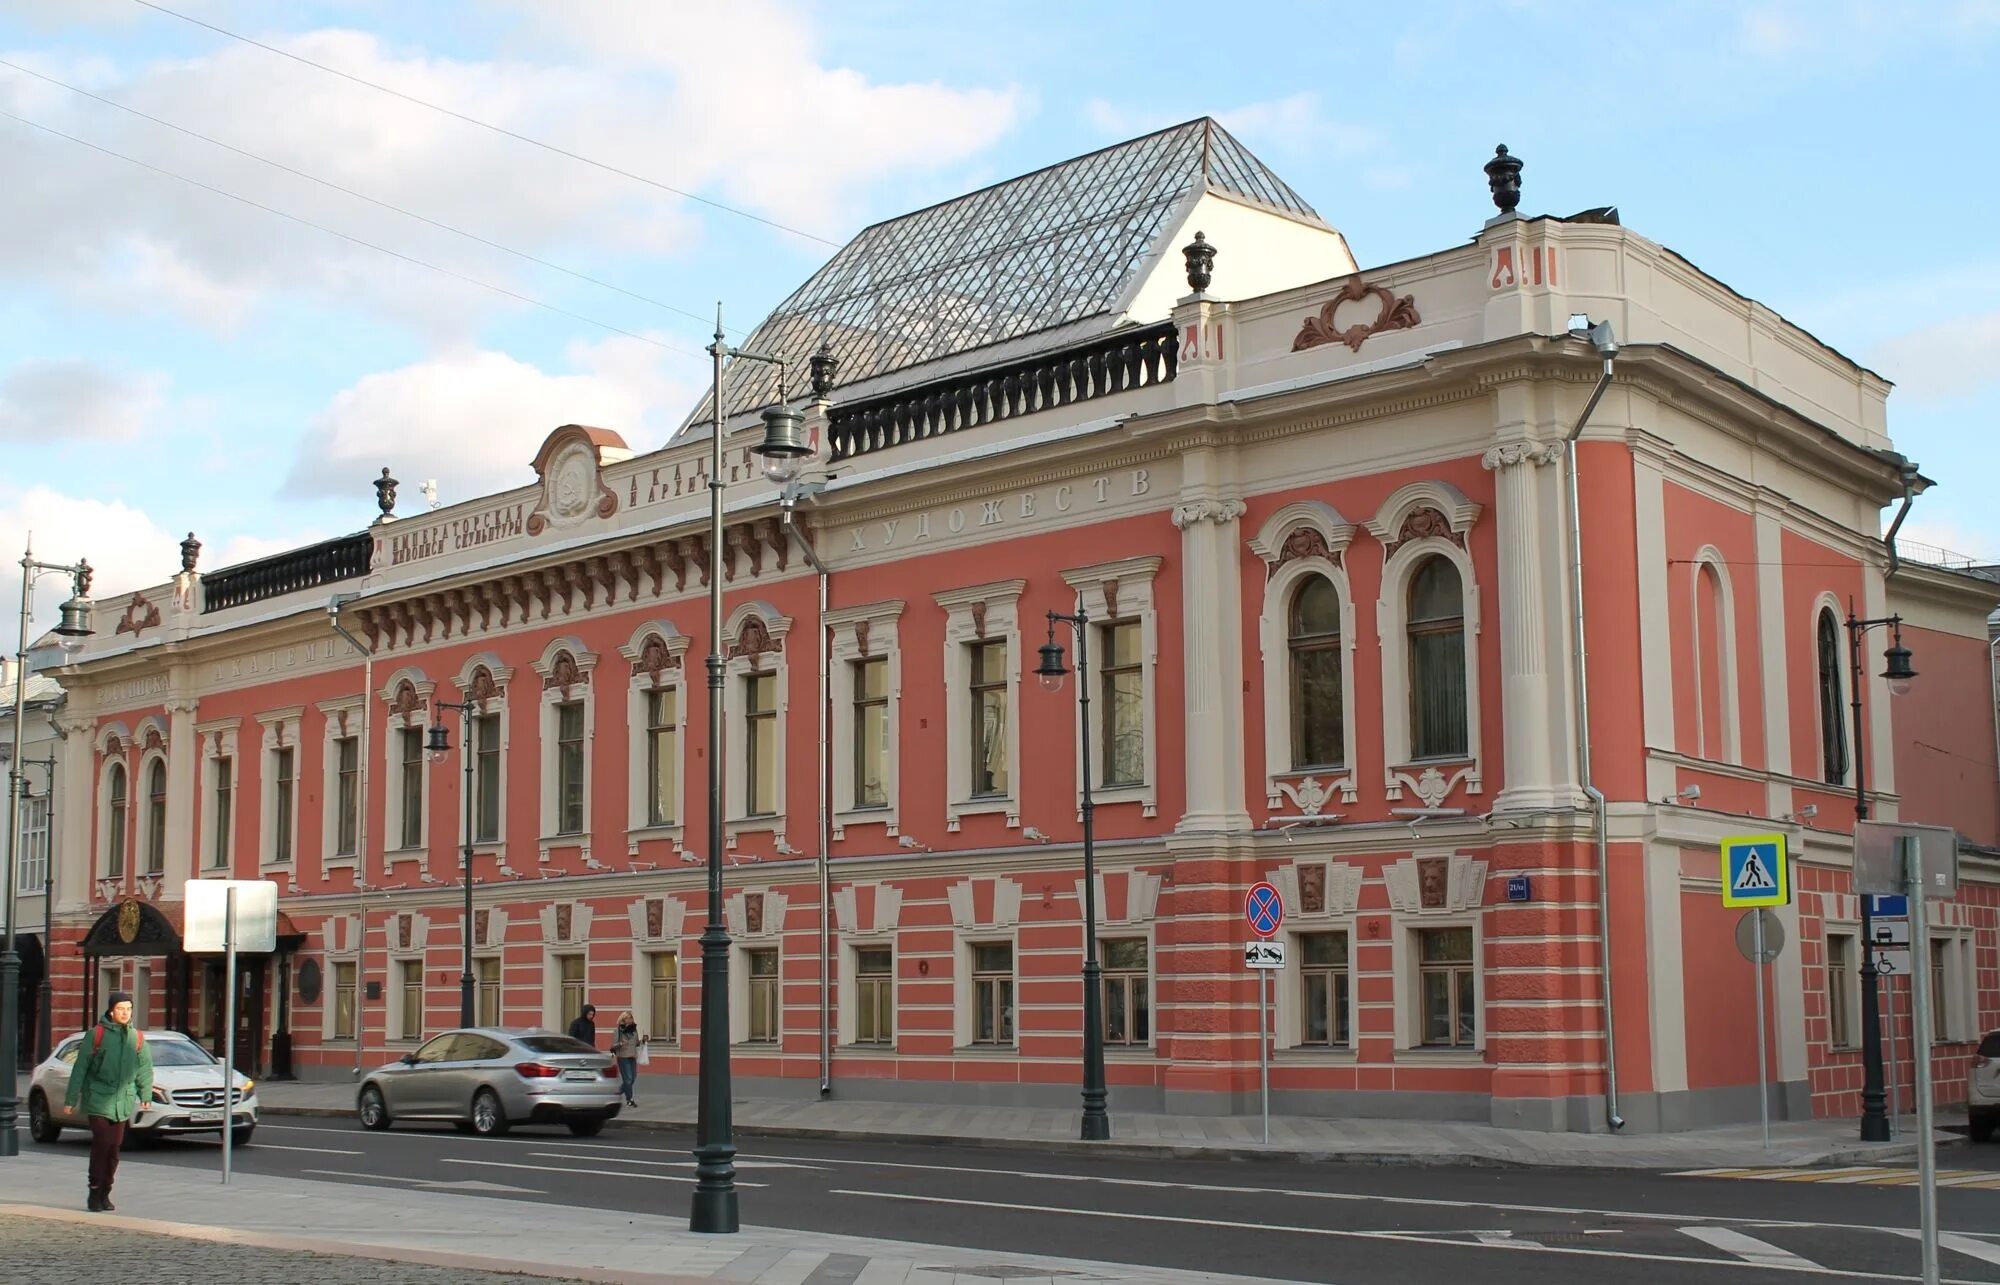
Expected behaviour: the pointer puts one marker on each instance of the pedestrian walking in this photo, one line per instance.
(111, 1081)
(626, 1045)
(585, 1026)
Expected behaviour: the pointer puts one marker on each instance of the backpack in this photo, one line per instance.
(97, 1038)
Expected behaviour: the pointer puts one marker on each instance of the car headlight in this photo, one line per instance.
(160, 1096)
(243, 1090)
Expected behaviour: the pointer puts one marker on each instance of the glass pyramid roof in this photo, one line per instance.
(1047, 249)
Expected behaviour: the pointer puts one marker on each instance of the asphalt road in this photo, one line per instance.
(1352, 1224)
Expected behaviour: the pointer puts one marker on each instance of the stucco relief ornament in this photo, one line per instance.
(128, 922)
(1513, 453)
(1395, 314)
(1431, 787)
(139, 616)
(1190, 512)
(1305, 542)
(1309, 795)
(573, 488)
(1422, 524)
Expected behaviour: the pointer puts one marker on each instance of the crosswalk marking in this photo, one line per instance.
(1748, 1248)
(1970, 1246)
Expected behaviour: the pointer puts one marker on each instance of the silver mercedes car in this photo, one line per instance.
(187, 1092)
(487, 1079)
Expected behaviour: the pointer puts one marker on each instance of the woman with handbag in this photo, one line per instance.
(628, 1046)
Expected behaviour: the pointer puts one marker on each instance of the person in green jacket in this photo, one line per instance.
(112, 1081)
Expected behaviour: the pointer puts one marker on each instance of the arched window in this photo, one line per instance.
(1832, 714)
(1436, 625)
(1318, 715)
(156, 818)
(1711, 682)
(114, 823)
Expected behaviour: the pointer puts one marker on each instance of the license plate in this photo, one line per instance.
(205, 1117)
(582, 1076)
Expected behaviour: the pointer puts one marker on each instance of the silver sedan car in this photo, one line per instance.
(187, 1092)
(486, 1079)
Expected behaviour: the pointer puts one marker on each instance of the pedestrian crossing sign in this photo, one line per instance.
(1755, 871)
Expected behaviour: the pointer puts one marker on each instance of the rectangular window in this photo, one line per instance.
(410, 976)
(156, 819)
(225, 795)
(114, 824)
(35, 844)
(573, 988)
(488, 974)
(1128, 1008)
(281, 837)
(410, 743)
(1840, 977)
(993, 994)
(760, 744)
(662, 754)
(569, 767)
(343, 1001)
(486, 778)
(1124, 699)
(347, 789)
(989, 718)
(1323, 1003)
(874, 996)
(1448, 1015)
(664, 974)
(871, 732)
(1940, 996)
(763, 996)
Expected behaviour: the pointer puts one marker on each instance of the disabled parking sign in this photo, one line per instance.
(1756, 871)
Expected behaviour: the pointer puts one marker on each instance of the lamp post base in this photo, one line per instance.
(714, 1211)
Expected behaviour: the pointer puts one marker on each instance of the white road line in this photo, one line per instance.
(1967, 1245)
(371, 1177)
(1748, 1248)
(1429, 1202)
(1525, 1246)
(318, 1151)
(603, 1153)
(595, 1173)
(1494, 1237)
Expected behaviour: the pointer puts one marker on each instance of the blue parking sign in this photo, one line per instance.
(1756, 871)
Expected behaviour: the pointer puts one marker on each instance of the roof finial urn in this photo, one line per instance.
(1503, 176)
(1200, 262)
(825, 366)
(190, 553)
(385, 496)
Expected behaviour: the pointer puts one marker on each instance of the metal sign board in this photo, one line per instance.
(1760, 950)
(1264, 909)
(1889, 907)
(1877, 869)
(1756, 871)
(1890, 933)
(256, 916)
(1264, 954)
(1520, 888)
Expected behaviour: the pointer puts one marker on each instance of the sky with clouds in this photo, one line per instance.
(352, 280)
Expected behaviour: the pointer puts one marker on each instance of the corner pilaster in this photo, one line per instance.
(1207, 516)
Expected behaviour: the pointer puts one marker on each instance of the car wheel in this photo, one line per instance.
(586, 1128)
(374, 1111)
(489, 1120)
(42, 1126)
(1981, 1127)
(240, 1135)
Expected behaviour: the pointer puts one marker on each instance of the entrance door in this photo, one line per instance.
(250, 989)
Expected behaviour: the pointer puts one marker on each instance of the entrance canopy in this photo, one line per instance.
(145, 928)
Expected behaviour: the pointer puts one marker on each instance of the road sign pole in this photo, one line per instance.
(1264, 1047)
(1920, 1026)
(229, 1028)
(1895, 1097)
(1763, 1065)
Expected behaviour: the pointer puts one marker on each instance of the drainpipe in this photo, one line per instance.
(1909, 474)
(1606, 343)
(787, 506)
(333, 606)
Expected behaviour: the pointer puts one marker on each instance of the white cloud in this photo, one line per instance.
(1944, 360)
(1297, 123)
(730, 100)
(126, 547)
(69, 399)
(474, 419)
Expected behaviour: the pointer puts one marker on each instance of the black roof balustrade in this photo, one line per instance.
(293, 571)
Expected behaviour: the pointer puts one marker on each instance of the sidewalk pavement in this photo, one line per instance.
(247, 1231)
(1793, 1144)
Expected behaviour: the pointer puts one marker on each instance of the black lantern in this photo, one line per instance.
(1051, 671)
(439, 740)
(784, 447)
(1898, 669)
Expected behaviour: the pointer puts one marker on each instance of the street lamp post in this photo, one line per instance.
(1096, 1123)
(1874, 1119)
(75, 624)
(439, 744)
(715, 1204)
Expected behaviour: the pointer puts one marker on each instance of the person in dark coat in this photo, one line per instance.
(111, 1082)
(585, 1026)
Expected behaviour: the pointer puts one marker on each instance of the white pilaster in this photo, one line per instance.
(1665, 971)
(1211, 612)
(1536, 709)
(1776, 682)
(1656, 663)
(78, 798)
(182, 755)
